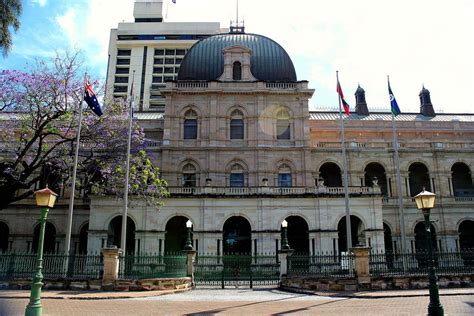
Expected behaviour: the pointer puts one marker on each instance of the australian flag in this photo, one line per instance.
(91, 99)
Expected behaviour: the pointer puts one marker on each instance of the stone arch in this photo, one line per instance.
(461, 179)
(176, 233)
(466, 234)
(237, 173)
(376, 170)
(419, 178)
(4, 236)
(190, 107)
(284, 121)
(419, 231)
(237, 235)
(114, 233)
(236, 70)
(188, 171)
(331, 173)
(237, 107)
(357, 232)
(388, 237)
(49, 244)
(298, 233)
(83, 236)
(285, 170)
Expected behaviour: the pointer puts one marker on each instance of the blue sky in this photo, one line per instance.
(415, 42)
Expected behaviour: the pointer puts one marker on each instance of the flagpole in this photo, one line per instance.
(123, 240)
(74, 173)
(399, 182)
(344, 166)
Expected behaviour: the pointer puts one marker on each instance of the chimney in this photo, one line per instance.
(361, 104)
(426, 108)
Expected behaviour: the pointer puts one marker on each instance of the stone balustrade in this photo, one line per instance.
(266, 190)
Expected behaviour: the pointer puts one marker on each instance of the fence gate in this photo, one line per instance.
(236, 270)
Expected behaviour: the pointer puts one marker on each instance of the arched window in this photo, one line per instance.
(419, 178)
(189, 175)
(237, 176)
(462, 181)
(284, 176)
(236, 125)
(331, 173)
(83, 234)
(376, 171)
(237, 71)
(190, 125)
(283, 125)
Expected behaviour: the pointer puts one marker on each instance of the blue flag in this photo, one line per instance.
(393, 102)
(91, 99)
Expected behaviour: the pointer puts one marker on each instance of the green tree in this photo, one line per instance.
(10, 11)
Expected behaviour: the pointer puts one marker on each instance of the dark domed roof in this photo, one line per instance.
(269, 61)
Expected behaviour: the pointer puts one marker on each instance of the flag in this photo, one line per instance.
(393, 102)
(91, 99)
(344, 103)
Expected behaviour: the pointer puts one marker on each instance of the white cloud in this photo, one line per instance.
(41, 3)
(414, 42)
(68, 24)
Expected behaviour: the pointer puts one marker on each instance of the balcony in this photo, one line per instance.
(271, 191)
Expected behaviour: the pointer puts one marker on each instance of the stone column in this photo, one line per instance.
(283, 258)
(111, 265)
(361, 255)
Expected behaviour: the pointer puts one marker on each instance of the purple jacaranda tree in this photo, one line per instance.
(38, 126)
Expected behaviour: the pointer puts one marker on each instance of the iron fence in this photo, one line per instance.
(55, 266)
(322, 265)
(150, 265)
(416, 264)
(234, 269)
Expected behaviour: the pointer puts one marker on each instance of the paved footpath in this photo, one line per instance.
(239, 301)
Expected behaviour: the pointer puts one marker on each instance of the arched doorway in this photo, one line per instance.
(237, 236)
(462, 181)
(357, 233)
(49, 245)
(420, 237)
(466, 241)
(4, 234)
(176, 234)
(83, 238)
(387, 236)
(331, 173)
(419, 178)
(466, 235)
(421, 245)
(114, 233)
(376, 170)
(298, 234)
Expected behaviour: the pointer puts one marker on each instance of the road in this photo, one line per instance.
(243, 301)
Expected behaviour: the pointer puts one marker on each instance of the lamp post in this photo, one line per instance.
(45, 199)
(284, 237)
(425, 202)
(189, 243)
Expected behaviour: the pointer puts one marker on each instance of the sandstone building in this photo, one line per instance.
(242, 152)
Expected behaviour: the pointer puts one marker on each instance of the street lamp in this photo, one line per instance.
(425, 202)
(189, 243)
(284, 237)
(45, 199)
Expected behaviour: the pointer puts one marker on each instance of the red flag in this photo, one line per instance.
(344, 103)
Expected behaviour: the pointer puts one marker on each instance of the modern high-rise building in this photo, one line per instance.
(150, 50)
